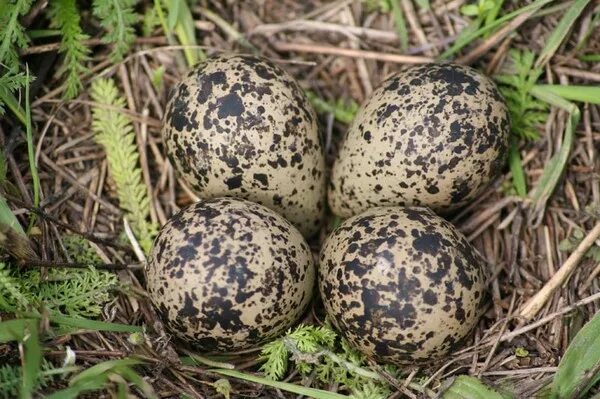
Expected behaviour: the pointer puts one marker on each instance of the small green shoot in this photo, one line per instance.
(343, 110)
(223, 387)
(570, 243)
(521, 352)
(480, 9)
(579, 368)
(157, 78)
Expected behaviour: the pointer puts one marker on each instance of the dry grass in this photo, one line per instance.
(337, 49)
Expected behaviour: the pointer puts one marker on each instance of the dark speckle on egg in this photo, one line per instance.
(434, 135)
(402, 285)
(228, 274)
(240, 126)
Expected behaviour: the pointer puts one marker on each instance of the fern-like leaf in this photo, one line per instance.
(115, 132)
(64, 15)
(12, 32)
(526, 111)
(12, 295)
(11, 378)
(79, 293)
(118, 18)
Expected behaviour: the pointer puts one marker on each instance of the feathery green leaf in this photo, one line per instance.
(64, 15)
(118, 18)
(12, 32)
(115, 132)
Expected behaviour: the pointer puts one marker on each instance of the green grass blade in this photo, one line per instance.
(102, 368)
(516, 167)
(493, 13)
(466, 387)
(298, 389)
(14, 330)
(584, 94)
(75, 391)
(561, 31)
(555, 167)
(93, 325)
(400, 23)
(590, 57)
(536, 5)
(31, 152)
(581, 357)
(181, 16)
(32, 360)
(130, 375)
(8, 219)
(8, 98)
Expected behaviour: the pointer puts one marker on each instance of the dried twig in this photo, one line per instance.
(533, 306)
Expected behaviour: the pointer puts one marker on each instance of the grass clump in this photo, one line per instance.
(114, 132)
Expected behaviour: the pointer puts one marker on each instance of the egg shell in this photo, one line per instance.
(240, 126)
(434, 135)
(227, 274)
(402, 285)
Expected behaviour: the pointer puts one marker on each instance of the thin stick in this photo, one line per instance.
(535, 303)
(347, 52)
(78, 265)
(496, 38)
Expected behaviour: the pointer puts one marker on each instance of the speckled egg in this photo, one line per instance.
(228, 274)
(434, 135)
(240, 126)
(401, 284)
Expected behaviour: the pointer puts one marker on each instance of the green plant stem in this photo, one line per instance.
(31, 153)
(301, 390)
(400, 23)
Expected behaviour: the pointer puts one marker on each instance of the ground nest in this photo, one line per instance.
(339, 51)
